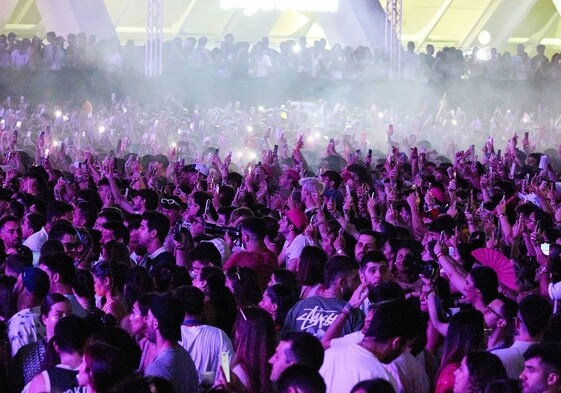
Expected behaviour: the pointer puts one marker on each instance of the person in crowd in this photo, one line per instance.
(465, 334)
(172, 361)
(30, 358)
(153, 231)
(24, 327)
(109, 279)
(477, 370)
(62, 273)
(70, 335)
(254, 343)
(204, 343)
(296, 348)
(385, 339)
(277, 300)
(315, 314)
(542, 368)
(300, 378)
(531, 322)
(138, 323)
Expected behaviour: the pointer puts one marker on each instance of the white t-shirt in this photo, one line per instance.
(345, 366)
(294, 249)
(205, 343)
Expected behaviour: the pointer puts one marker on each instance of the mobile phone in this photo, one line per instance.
(276, 150)
(126, 192)
(225, 365)
(216, 151)
(332, 141)
(183, 162)
(442, 233)
(119, 143)
(545, 248)
(16, 133)
(370, 153)
(357, 152)
(18, 124)
(207, 206)
(42, 134)
(526, 135)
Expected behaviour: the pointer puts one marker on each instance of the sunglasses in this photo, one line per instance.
(166, 201)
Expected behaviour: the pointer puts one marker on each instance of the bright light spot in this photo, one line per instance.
(239, 154)
(310, 139)
(173, 144)
(55, 143)
(58, 114)
(526, 118)
(252, 155)
(326, 137)
(65, 118)
(482, 55)
(296, 48)
(380, 115)
(249, 129)
(101, 129)
(46, 152)
(18, 124)
(261, 108)
(484, 37)
(179, 131)
(454, 122)
(317, 135)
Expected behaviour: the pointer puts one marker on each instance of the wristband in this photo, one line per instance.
(348, 307)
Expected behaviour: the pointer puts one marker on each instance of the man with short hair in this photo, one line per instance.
(204, 343)
(315, 314)
(204, 254)
(292, 226)
(296, 348)
(56, 210)
(300, 378)
(542, 369)
(84, 215)
(61, 271)
(255, 254)
(500, 317)
(64, 231)
(173, 362)
(531, 321)
(32, 223)
(152, 233)
(117, 231)
(384, 340)
(10, 234)
(365, 242)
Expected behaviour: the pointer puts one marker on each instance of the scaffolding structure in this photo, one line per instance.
(393, 35)
(154, 37)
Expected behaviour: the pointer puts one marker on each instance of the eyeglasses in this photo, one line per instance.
(489, 309)
(169, 202)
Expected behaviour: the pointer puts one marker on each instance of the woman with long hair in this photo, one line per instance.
(254, 343)
(310, 271)
(220, 305)
(477, 370)
(109, 280)
(277, 301)
(110, 356)
(465, 334)
(242, 282)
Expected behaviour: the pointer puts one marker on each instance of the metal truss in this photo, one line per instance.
(154, 37)
(393, 35)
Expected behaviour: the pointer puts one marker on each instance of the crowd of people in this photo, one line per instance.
(238, 59)
(307, 247)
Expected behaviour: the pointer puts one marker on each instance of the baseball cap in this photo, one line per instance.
(36, 281)
(297, 218)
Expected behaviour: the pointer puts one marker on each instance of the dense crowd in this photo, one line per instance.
(238, 59)
(308, 247)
